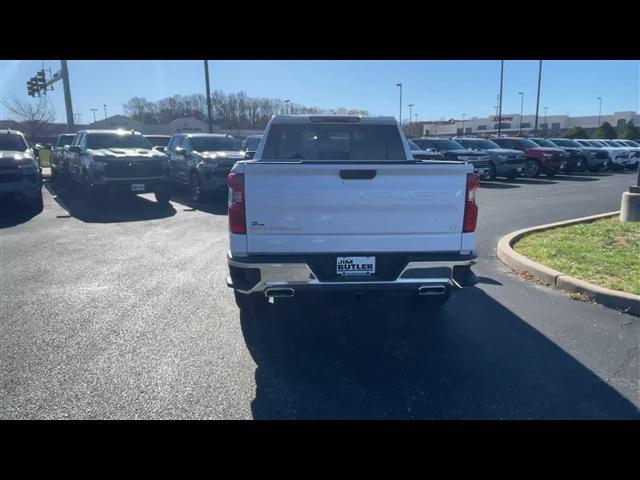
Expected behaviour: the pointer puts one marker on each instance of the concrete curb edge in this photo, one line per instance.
(628, 302)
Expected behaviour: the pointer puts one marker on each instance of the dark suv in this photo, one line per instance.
(595, 159)
(452, 150)
(202, 161)
(539, 159)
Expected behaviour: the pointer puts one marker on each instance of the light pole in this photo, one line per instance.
(546, 127)
(538, 98)
(208, 91)
(105, 115)
(416, 122)
(599, 110)
(94, 110)
(410, 108)
(286, 106)
(400, 116)
(463, 115)
(500, 104)
(521, 105)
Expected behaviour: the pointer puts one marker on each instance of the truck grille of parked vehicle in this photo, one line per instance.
(134, 169)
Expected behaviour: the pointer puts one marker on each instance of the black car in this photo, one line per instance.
(576, 161)
(452, 150)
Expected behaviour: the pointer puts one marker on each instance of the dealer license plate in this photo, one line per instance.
(355, 265)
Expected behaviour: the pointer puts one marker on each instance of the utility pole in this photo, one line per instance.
(206, 80)
(67, 93)
(599, 111)
(463, 115)
(400, 116)
(500, 104)
(416, 122)
(521, 105)
(410, 107)
(94, 110)
(538, 99)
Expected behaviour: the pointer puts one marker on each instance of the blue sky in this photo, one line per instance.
(438, 89)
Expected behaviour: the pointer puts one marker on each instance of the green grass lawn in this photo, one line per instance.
(604, 252)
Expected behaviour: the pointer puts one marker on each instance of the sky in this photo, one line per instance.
(438, 89)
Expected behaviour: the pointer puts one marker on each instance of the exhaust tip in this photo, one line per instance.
(432, 290)
(279, 292)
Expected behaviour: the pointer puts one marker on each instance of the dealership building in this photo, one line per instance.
(514, 124)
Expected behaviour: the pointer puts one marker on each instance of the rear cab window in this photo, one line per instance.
(334, 142)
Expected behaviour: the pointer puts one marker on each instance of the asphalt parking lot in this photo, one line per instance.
(124, 313)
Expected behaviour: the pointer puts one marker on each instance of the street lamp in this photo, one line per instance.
(410, 107)
(521, 105)
(400, 116)
(463, 115)
(94, 110)
(416, 122)
(599, 110)
(286, 106)
(105, 115)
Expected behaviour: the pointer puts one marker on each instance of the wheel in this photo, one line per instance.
(492, 172)
(511, 176)
(531, 169)
(551, 174)
(163, 196)
(583, 166)
(195, 187)
(431, 302)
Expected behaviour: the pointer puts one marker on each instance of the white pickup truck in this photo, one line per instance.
(338, 203)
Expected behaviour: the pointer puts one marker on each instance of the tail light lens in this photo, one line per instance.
(237, 219)
(470, 206)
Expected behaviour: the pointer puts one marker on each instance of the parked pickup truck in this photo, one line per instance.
(116, 162)
(337, 203)
(502, 161)
(58, 162)
(539, 159)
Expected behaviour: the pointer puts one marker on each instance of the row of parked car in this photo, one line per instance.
(510, 157)
(116, 161)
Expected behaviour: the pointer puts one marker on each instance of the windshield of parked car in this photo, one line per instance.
(334, 141)
(215, 144)
(478, 144)
(632, 143)
(567, 143)
(158, 141)
(12, 142)
(64, 140)
(252, 143)
(412, 145)
(97, 141)
(543, 142)
(597, 144)
(438, 144)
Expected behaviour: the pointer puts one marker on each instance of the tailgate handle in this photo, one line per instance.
(357, 174)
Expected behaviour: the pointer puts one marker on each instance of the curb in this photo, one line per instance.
(628, 302)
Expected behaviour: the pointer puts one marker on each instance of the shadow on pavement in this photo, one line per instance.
(115, 208)
(534, 181)
(497, 185)
(14, 213)
(573, 177)
(380, 358)
(215, 205)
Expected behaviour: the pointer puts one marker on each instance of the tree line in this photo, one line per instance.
(606, 131)
(233, 110)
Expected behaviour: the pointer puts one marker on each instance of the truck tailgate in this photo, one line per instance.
(346, 207)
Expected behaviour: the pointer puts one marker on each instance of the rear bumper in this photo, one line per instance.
(252, 275)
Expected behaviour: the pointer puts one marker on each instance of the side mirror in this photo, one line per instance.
(75, 149)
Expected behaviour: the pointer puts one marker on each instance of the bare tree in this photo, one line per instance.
(34, 118)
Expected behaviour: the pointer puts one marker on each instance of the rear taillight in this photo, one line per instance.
(470, 207)
(237, 223)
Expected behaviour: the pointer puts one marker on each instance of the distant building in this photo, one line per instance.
(512, 123)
